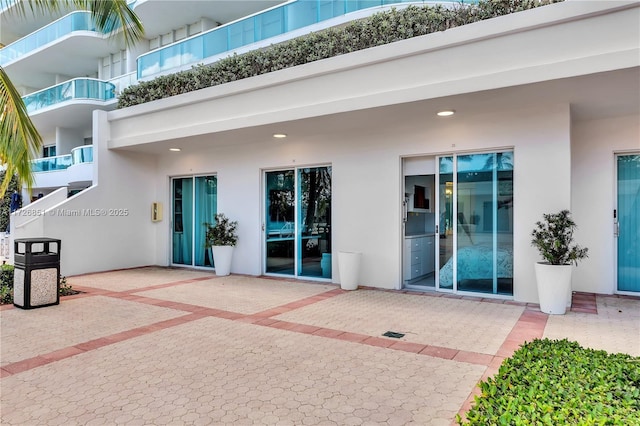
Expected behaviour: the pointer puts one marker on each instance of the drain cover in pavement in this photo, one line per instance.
(393, 334)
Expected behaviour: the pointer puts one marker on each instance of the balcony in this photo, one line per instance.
(75, 21)
(50, 164)
(76, 89)
(65, 170)
(264, 25)
(79, 155)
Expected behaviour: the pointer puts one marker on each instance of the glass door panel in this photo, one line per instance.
(314, 222)
(484, 223)
(194, 202)
(445, 222)
(205, 208)
(182, 235)
(280, 222)
(628, 212)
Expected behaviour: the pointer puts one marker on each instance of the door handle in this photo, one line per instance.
(616, 229)
(404, 211)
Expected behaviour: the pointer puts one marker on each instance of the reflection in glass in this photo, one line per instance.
(485, 223)
(280, 221)
(314, 219)
(445, 227)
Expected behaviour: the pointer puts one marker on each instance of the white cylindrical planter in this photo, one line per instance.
(349, 265)
(222, 259)
(554, 287)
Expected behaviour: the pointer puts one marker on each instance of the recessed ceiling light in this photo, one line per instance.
(279, 135)
(175, 149)
(446, 113)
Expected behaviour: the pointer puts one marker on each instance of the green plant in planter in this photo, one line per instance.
(553, 238)
(222, 232)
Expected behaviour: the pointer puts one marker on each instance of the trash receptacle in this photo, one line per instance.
(36, 275)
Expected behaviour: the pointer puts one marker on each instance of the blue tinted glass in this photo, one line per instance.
(270, 24)
(628, 182)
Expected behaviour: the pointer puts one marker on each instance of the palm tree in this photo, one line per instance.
(19, 139)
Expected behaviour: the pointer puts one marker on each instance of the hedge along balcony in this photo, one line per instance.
(76, 89)
(264, 25)
(75, 21)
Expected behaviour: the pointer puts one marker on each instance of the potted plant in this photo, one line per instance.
(222, 237)
(553, 237)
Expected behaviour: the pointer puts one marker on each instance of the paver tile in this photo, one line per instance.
(240, 294)
(616, 327)
(29, 333)
(130, 279)
(468, 325)
(211, 363)
(166, 346)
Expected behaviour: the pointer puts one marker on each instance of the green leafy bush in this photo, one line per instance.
(221, 233)
(558, 382)
(5, 202)
(553, 238)
(6, 284)
(378, 29)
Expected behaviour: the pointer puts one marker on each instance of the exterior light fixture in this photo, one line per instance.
(175, 149)
(446, 113)
(279, 135)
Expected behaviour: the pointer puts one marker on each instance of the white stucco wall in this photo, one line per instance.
(362, 113)
(96, 232)
(366, 166)
(594, 145)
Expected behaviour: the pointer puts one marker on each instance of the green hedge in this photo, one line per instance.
(558, 382)
(378, 29)
(6, 284)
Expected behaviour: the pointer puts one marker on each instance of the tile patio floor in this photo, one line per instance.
(170, 346)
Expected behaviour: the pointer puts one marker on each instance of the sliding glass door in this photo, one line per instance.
(628, 222)
(194, 202)
(475, 205)
(298, 222)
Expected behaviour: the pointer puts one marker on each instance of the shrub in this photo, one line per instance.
(378, 29)
(222, 232)
(5, 201)
(553, 238)
(6, 284)
(557, 382)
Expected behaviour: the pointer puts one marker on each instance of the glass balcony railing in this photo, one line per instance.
(50, 164)
(123, 81)
(82, 154)
(75, 21)
(260, 26)
(78, 88)
(79, 155)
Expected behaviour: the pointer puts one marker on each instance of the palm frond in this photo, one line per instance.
(19, 140)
